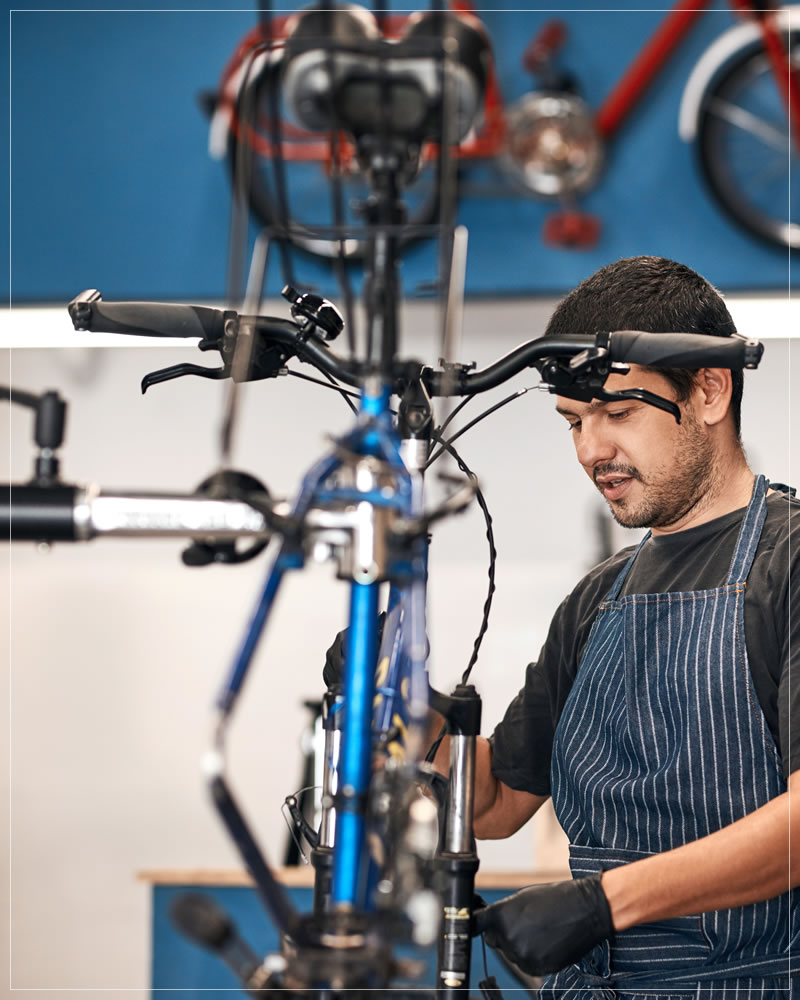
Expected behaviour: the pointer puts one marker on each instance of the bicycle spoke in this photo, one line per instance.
(742, 118)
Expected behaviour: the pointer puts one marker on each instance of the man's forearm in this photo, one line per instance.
(743, 863)
(498, 811)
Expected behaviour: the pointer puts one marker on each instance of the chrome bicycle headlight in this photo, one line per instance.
(552, 145)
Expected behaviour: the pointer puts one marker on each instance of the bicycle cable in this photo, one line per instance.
(346, 394)
(453, 413)
(487, 606)
(471, 424)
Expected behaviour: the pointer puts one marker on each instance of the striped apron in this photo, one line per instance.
(663, 741)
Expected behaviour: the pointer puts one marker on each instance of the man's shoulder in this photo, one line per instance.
(596, 583)
(778, 552)
(783, 516)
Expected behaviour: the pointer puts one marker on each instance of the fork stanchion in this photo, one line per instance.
(456, 865)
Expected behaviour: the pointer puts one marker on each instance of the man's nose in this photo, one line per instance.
(594, 446)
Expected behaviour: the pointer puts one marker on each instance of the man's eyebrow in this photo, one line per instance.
(594, 405)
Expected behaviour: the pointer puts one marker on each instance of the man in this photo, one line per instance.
(657, 715)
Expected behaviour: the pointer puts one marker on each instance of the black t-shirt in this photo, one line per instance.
(696, 559)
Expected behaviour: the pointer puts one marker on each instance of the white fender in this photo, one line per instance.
(249, 69)
(715, 56)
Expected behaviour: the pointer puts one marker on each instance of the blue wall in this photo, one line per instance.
(183, 971)
(112, 186)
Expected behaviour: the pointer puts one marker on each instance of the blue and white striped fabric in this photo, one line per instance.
(663, 741)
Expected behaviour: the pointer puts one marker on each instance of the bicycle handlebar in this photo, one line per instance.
(666, 350)
(155, 319)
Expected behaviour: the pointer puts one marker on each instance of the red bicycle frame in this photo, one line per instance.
(668, 36)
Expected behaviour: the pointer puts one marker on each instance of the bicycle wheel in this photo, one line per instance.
(745, 150)
(307, 168)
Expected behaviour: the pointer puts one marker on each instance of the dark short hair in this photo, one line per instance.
(655, 295)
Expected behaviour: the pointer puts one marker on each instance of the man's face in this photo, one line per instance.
(651, 470)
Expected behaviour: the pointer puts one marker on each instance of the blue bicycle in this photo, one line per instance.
(394, 854)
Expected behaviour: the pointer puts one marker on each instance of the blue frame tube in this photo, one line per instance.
(356, 755)
(233, 683)
(355, 762)
(287, 558)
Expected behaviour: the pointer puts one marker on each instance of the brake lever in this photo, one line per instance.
(583, 376)
(643, 395)
(268, 360)
(184, 368)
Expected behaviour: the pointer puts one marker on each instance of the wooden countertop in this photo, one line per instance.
(302, 876)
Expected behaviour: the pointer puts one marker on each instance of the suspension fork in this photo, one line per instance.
(458, 862)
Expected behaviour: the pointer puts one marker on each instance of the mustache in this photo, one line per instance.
(616, 467)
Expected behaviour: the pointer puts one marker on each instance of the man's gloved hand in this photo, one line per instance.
(546, 927)
(333, 671)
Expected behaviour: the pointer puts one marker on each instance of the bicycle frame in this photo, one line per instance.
(667, 38)
(364, 501)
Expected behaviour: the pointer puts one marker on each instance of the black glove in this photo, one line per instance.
(546, 927)
(333, 671)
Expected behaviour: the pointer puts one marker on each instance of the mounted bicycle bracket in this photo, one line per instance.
(48, 431)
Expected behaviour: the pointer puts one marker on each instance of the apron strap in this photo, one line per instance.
(613, 594)
(746, 543)
(750, 533)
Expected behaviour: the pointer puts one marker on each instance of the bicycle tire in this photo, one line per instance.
(309, 192)
(744, 148)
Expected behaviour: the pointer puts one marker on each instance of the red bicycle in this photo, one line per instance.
(740, 107)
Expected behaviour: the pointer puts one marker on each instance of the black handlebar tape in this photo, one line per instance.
(38, 513)
(146, 319)
(684, 350)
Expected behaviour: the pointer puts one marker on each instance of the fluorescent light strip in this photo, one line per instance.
(765, 317)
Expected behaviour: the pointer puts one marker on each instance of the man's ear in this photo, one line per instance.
(714, 387)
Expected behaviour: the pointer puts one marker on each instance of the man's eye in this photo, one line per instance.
(618, 414)
(575, 427)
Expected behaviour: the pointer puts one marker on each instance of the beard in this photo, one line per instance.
(668, 496)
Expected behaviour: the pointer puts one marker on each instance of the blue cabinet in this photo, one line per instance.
(180, 966)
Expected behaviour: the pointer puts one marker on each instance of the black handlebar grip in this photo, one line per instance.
(684, 350)
(38, 513)
(145, 319)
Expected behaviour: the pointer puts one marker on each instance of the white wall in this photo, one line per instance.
(117, 650)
